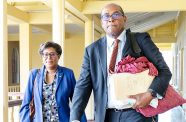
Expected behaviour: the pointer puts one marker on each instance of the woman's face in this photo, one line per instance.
(50, 58)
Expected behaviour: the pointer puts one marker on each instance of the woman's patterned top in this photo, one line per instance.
(49, 108)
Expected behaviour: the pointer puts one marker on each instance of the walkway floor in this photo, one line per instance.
(174, 115)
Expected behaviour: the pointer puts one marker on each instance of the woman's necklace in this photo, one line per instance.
(51, 74)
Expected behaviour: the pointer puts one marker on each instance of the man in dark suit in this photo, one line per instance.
(96, 69)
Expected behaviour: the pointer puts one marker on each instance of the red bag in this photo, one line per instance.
(32, 105)
(171, 100)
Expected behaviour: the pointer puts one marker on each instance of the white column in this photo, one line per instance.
(89, 31)
(184, 73)
(58, 25)
(3, 62)
(25, 32)
(89, 37)
(184, 76)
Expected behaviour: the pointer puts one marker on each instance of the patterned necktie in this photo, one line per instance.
(113, 56)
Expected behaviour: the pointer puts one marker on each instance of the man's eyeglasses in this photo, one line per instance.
(52, 55)
(116, 15)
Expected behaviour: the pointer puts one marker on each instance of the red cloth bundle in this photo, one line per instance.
(132, 65)
(171, 99)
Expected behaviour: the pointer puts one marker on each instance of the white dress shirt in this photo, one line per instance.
(112, 102)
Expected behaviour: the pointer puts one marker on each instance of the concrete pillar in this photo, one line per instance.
(58, 25)
(184, 71)
(3, 62)
(25, 34)
(89, 31)
(184, 76)
(89, 37)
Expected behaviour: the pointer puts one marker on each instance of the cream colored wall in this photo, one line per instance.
(38, 39)
(74, 51)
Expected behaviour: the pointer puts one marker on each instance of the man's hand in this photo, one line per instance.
(142, 99)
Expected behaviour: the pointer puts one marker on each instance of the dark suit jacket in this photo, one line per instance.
(94, 74)
(65, 84)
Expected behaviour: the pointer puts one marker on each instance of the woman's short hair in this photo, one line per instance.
(49, 44)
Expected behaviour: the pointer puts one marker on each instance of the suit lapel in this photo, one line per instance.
(102, 49)
(59, 77)
(127, 44)
(39, 83)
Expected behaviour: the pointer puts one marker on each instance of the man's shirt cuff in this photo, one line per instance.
(75, 121)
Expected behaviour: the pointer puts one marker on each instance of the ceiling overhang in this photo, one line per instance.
(130, 6)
